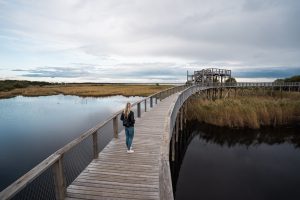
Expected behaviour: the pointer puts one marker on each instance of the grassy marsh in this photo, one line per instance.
(248, 111)
(85, 90)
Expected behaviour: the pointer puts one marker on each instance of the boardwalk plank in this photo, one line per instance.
(119, 175)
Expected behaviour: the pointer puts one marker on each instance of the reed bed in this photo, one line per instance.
(85, 90)
(247, 111)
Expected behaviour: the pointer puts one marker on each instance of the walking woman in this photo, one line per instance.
(128, 121)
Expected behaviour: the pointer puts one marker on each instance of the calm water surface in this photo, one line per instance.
(32, 128)
(214, 163)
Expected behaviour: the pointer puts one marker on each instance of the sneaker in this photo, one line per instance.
(130, 151)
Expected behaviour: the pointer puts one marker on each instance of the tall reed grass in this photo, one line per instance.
(86, 90)
(247, 111)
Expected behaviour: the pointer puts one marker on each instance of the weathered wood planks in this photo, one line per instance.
(115, 174)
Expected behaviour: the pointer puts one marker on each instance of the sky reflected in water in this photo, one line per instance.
(32, 128)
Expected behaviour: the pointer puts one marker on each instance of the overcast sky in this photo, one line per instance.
(148, 40)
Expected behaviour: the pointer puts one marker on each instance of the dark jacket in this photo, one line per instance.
(128, 121)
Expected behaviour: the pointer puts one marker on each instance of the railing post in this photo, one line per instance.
(95, 144)
(173, 148)
(59, 179)
(115, 126)
(151, 102)
(139, 109)
(177, 128)
(145, 105)
(185, 112)
(181, 118)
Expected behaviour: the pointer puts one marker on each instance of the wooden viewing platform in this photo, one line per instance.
(117, 174)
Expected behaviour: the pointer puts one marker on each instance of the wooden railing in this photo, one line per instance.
(171, 124)
(56, 160)
(251, 84)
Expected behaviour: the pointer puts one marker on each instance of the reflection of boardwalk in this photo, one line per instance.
(119, 175)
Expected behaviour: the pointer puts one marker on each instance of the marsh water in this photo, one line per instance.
(32, 128)
(218, 163)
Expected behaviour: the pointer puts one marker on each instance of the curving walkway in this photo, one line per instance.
(119, 175)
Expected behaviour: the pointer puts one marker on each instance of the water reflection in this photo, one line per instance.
(232, 137)
(31, 128)
(217, 163)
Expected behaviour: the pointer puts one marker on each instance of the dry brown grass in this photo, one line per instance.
(247, 111)
(87, 90)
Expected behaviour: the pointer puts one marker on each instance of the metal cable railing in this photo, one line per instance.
(75, 160)
(50, 178)
(41, 187)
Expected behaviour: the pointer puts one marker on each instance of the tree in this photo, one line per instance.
(290, 79)
(279, 80)
(293, 79)
(230, 80)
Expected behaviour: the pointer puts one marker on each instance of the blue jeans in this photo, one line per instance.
(129, 132)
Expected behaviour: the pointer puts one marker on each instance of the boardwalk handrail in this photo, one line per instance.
(55, 159)
(251, 84)
(165, 183)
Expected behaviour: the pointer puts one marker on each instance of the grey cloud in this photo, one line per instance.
(243, 33)
(278, 72)
(147, 71)
(56, 72)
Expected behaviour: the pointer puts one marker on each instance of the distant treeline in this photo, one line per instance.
(290, 79)
(7, 85)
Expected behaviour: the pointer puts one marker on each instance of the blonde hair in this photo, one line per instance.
(127, 109)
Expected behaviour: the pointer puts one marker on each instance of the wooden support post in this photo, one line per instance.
(177, 129)
(207, 94)
(115, 126)
(155, 99)
(95, 145)
(272, 91)
(145, 105)
(173, 149)
(181, 119)
(221, 91)
(151, 102)
(185, 112)
(139, 110)
(59, 179)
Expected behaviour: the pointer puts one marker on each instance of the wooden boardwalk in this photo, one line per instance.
(119, 175)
